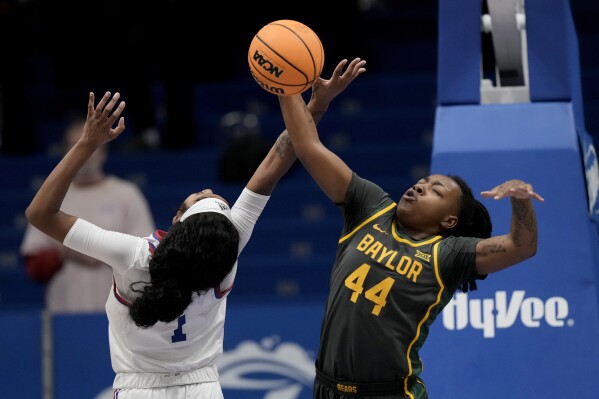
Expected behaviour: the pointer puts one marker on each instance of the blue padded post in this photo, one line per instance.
(458, 72)
(550, 68)
(531, 330)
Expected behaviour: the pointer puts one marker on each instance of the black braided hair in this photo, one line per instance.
(194, 256)
(473, 221)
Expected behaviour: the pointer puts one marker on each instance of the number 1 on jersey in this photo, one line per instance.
(178, 334)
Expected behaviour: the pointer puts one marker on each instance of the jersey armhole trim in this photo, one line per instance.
(376, 215)
(118, 296)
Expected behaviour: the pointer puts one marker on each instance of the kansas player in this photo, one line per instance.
(166, 309)
(398, 265)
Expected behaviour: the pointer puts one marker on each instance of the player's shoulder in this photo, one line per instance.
(459, 244)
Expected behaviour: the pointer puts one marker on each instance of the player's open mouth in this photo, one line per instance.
(409, 195)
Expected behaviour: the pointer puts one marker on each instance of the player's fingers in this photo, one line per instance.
(103, 101)
(119, 109)
(488, 193)
(538, 197)
(354, 66)
(339, 68)
(120, 128)
(111, 104)
(90, 104)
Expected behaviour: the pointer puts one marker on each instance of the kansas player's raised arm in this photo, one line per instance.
(44, 210)
(245, 213)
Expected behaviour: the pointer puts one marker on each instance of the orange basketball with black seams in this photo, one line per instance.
(286, 57)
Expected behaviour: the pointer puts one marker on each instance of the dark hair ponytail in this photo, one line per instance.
(159, 301)
(193, 257)
(473, 221)
(473, 218)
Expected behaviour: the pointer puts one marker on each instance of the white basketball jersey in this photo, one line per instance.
(183, 351)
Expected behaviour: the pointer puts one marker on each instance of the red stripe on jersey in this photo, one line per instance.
(118, 296)
(158, 235)
(219, 294)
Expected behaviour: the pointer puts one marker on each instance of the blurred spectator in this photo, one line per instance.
(77, 283)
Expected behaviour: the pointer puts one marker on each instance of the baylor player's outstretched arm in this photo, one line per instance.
(282, 155)
(499, 252)
(325, 167)
(328, 170)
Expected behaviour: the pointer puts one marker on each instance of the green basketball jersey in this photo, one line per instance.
(385, 290)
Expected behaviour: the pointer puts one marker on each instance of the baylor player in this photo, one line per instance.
(398, 265)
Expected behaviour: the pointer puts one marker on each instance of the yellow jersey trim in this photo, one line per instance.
(410, 242)
(376, 215)
(428, 312)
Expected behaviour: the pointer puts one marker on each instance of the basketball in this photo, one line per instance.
(285, 57)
